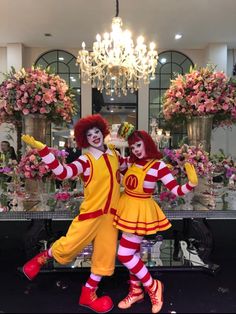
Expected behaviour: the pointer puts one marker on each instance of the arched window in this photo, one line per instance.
(169, 64)
(63, 63)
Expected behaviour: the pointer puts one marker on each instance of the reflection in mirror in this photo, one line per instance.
(116, 109)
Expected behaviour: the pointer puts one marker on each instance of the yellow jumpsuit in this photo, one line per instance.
(95, 221)
(137, 212)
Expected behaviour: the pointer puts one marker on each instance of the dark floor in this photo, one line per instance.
(58, 292)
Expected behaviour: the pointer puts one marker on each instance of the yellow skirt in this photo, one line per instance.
(140, 216)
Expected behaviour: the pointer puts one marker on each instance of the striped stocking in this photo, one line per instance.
(129, 256)
(93, 281)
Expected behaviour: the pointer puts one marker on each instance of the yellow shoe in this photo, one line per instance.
(135, 295)
(156, 295)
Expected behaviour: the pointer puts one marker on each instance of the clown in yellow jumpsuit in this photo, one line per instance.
(99, 168)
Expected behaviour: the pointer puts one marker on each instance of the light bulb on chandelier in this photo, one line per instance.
(115, 63)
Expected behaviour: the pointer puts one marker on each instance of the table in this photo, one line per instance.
(190, 260)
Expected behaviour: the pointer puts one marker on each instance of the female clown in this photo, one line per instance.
(99, 168)
(139, 215)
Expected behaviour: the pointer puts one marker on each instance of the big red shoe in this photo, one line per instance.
(33, 266)
(88, 298)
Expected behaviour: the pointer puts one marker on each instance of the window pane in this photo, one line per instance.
(165, 55)
(50, 56)
(178, 57)
(155, 83)
(186, 66)
(177, 69)
(53, 67)
(155, 110)
(73, 67)
(154, 96)
(169, 64)
(165, 80)
(66, 78)
(62, 68)
(42, 63)
(166, 68)
(67, 57)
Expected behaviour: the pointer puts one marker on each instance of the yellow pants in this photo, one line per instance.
(99, 231)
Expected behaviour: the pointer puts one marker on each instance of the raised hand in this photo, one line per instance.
(29, 140)
(191, 173)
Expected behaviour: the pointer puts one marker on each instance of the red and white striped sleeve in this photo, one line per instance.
(65, 171)
(123, 162)
(166, 177)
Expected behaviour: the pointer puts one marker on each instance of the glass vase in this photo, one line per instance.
(199, 129)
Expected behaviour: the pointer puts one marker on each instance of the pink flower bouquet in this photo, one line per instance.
(195, 155)
(34, 91)
(31, 165)
(201, 92)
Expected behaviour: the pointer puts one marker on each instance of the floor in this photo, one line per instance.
(58, 292)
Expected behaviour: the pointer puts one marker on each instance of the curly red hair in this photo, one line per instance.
(150, 147)
(89, 122)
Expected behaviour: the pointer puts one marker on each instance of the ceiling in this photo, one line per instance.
(72, 21)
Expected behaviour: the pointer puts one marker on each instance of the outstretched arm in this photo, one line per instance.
(61, 171)
(170, 182)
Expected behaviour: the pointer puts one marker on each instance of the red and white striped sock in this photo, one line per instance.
(128, 255)
(134, 280)
(93, 281)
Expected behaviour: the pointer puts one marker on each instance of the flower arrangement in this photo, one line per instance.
(62, 196)
(36, 90)
(201, 92)
(193, 154)
(31, 165)
(167, 196)
(224, 166)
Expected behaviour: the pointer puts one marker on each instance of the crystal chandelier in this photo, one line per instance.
(116, 64)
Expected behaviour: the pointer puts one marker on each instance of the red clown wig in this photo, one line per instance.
(150, 147)
(89, 122)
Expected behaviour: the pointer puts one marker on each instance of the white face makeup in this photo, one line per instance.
(95, 138)
(138, 149)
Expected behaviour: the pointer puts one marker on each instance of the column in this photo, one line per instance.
(217, 55)
(15, 56)
(86, 99)
(143, 107)
(3, 62)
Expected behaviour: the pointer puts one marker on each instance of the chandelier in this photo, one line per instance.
(116, 64)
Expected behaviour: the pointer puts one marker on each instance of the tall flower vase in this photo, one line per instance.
(199, 129)
(36, 126)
